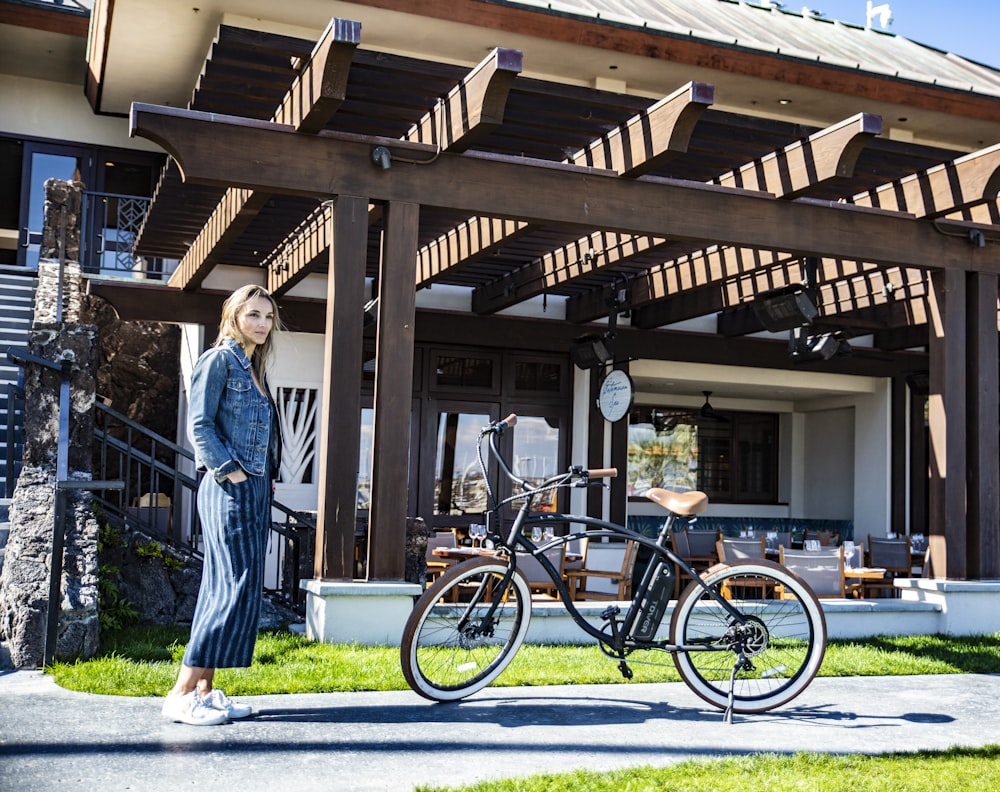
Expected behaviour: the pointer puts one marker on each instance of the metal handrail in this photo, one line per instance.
(13, 462)
(110, 224)
(157, 470)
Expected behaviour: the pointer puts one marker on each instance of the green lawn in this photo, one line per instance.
(144, 662)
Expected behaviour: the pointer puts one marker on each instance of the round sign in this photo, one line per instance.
(615, 398)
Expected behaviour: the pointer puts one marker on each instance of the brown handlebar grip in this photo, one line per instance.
(602, 473)
(511, 420)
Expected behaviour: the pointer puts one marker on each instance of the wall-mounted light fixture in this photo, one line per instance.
(592, 350)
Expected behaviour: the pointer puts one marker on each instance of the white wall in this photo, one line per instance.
(60, 111)
(828, 465)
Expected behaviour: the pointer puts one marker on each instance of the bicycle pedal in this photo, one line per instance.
(610, 612)
(626, 671)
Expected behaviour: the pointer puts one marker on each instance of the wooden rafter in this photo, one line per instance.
(785, 173)
(467, 114)
(804, 164)
(210, 149)
(965, 188)
(941, 190)
(645, 141)
(314, 97)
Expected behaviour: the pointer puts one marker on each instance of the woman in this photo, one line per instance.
(233, 424)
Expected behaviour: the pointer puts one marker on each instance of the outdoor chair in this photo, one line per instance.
(892, 555)
(620, 578)
(731, 549)
(697, 548)
(538, 579)
(822, 570)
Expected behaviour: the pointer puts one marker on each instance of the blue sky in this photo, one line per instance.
(970, 28)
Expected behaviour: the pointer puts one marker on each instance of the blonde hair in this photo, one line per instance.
(229, 327)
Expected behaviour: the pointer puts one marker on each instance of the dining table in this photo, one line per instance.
(862, 574)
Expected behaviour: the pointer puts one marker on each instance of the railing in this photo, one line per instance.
(109, 225)
(14, 421)
(160, 498)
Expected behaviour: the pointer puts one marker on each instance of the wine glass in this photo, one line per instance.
(536, 533)
(849, 554)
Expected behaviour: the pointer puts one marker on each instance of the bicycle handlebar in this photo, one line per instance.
(602, 473)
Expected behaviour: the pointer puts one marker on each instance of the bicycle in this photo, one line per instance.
(734, 648)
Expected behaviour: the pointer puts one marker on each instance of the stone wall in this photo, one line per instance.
(58, 335)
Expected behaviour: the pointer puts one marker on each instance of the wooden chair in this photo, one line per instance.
(621, 578)
(894, 556)
(436, 566)
(822, 570)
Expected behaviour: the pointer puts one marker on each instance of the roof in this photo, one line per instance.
(806, 36)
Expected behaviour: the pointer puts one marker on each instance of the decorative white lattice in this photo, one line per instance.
(297, 416)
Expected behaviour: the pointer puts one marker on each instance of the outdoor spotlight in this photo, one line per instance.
(590, 351)
(382, 157)
(785, 308)
(821, 347)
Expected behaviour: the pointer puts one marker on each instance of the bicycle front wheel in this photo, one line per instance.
(782, 636)
(465, 629)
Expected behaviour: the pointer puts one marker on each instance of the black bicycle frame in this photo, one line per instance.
(515, 539)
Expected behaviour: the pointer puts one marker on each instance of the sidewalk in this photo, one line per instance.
(53, 739)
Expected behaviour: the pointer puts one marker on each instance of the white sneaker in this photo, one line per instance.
(190, 709)
(218, 701)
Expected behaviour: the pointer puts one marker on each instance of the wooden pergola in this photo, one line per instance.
(696, 211)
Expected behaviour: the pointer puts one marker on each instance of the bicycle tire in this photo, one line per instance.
(443, 654)
(786, 642)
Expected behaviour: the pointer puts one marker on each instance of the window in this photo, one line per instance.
(733, 457)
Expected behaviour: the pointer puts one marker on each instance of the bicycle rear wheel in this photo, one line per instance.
(783, 636)
(465, 630)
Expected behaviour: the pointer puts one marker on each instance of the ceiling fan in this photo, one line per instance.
(709, 412)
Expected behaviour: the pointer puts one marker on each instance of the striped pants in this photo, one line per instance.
(235, 519)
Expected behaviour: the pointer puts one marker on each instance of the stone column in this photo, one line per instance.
(24, 581)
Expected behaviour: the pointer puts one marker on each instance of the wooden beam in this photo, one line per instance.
(472, 109)
(804, 164)
(651, 138)
(314, 97)
(647, 140)
(786, 173)
(941, 190)
(469, 112)
(211, 149)
(964, 188)
(300, 253)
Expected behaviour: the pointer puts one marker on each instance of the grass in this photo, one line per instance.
(955, 770)
(144, 662)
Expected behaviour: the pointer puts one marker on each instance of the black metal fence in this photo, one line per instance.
(159, 497)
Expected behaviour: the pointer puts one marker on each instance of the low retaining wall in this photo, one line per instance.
(374, 613)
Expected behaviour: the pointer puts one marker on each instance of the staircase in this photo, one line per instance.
(17, 298)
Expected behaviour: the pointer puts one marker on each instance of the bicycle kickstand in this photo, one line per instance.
(742, 664)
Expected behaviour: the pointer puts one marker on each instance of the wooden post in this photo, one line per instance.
(984, 435)
(393, 393)
(340, 403)
(947, 426)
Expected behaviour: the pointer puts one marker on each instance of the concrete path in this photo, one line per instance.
(53, 739)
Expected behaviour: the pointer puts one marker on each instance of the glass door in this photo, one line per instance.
(42, 162)
(457, 488)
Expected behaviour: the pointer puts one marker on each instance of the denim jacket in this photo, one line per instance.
(231, 424)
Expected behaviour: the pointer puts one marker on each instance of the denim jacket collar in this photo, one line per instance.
(237, 350)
